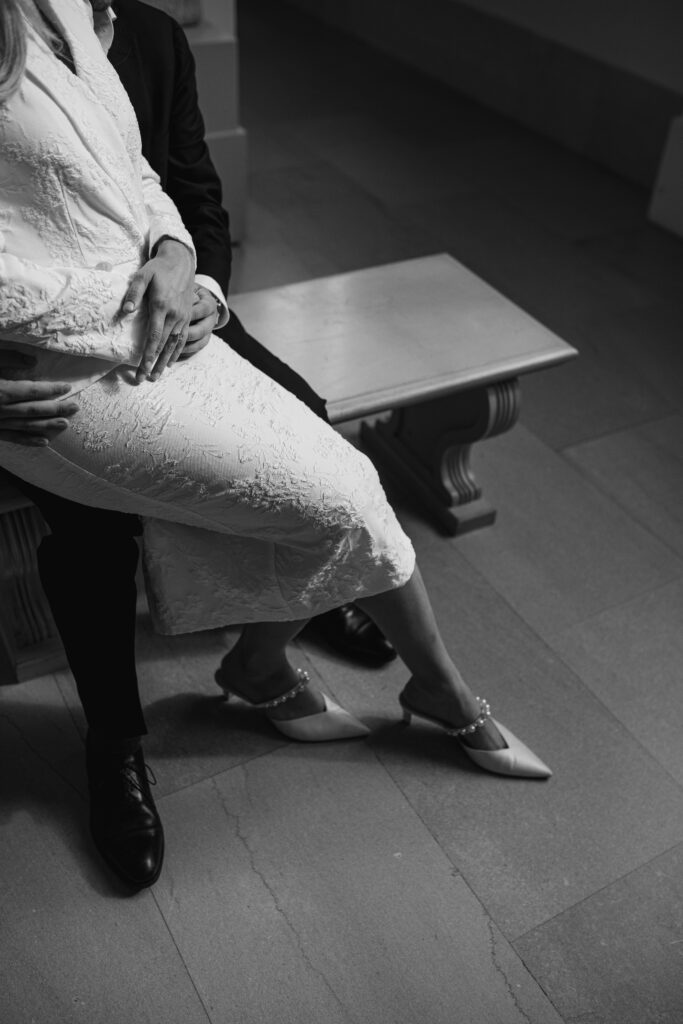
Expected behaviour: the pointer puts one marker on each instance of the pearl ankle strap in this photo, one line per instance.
(481, 719)
(303, 679)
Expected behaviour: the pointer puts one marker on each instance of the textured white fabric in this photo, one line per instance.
(269, 513)
(80, 208)
(260, 510)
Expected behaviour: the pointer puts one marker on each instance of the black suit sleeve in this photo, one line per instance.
(192, 181)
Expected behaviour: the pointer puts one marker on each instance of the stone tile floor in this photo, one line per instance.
(388, 880)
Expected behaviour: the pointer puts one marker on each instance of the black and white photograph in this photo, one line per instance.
(341, 512)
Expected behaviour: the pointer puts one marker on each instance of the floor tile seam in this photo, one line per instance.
(487, 582)
(414, 811)
(546, 638)
(182, 958)
(330, 170)
(673, 412)
(649, 421)
(490, 918)
(63, 674)
(602, 494)
(673, 578)
(546, 641)
(536, 980)
(563, 455)
(563, 452)
(552, 636)
(512, 939)
(308, 154)
(72, 711)
(571, 242)
(41, 758)
(563, 448)
(622, 726)
(589, 896)
(614, 234)
(222, 771)
(568, 249)
(459, 872)
(631, 366)
(662, 295)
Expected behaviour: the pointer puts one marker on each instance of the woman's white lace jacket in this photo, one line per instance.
(80, 209)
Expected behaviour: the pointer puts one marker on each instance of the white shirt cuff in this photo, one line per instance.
(212, 286)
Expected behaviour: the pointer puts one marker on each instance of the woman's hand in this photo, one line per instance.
(204, 318)
(31, 412)
(166, 282)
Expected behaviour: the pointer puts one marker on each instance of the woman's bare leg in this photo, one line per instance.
(406, 617)
(257, 668)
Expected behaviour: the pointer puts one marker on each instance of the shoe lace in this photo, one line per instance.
(131, 774)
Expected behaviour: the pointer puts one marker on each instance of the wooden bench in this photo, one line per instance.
(424, 339)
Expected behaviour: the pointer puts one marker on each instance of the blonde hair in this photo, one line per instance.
(13, 17)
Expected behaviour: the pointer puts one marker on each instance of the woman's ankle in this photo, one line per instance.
(442, 681)
(277, 678)
(260, 665)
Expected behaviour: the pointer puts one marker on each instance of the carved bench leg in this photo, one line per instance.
(29, 640)
(427, 448)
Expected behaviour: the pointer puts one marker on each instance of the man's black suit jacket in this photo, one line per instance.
(155, 64)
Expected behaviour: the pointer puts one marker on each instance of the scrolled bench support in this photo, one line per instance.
(427, 448)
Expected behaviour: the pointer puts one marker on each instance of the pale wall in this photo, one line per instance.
(598, 76)
(644, 37)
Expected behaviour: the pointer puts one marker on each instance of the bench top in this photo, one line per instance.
(393, 335)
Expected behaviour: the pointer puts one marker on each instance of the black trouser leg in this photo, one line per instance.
(87, 568)
(98, 635)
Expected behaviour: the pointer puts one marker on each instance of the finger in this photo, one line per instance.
(200, 329)
(203, 307)
(172, 342)
(178, 350)
(25, 439)
(174, 345)
(196, 346)
(157, 334)
(34, 426)
(12, 392)
(136, 291)
(37, 410)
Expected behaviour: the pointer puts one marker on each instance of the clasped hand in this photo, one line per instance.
(205, 314)
(165, 283)
(33, 412)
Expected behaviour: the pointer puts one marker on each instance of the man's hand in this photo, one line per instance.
(204, 318)
(31, 412)
(166, 282)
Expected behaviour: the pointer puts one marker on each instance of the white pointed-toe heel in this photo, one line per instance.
(514, 759)
(334, 723)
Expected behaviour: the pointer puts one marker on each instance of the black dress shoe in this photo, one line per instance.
(353, 634)
(124, 821)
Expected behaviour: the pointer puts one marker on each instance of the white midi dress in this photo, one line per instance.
(255, 509)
